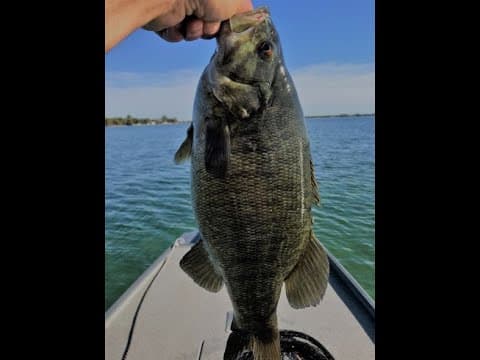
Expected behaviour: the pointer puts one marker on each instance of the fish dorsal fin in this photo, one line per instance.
(185, 150)
(315, 193)
(306, 284)
(198, 266)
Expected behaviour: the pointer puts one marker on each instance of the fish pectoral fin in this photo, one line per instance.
(306, 284)
(185, 150)
(198, 266)
(217, 147)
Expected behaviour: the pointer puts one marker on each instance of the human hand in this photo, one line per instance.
(191, 20)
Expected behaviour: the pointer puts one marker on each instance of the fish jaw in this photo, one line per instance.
(241, 28)
(243, 21)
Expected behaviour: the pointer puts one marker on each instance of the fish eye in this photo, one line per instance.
(265, 50)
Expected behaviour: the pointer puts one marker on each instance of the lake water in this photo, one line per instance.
(148, 202)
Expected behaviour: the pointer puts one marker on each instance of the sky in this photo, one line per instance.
(328, 46)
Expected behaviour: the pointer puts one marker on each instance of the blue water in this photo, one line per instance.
(148, 202)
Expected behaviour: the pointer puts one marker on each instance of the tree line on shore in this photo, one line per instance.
(130, 120)
(338, 115)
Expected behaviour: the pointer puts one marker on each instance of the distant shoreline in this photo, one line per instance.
(133, 121)
(173, 121)
(338, 115)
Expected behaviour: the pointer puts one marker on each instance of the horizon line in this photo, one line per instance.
(305, 116)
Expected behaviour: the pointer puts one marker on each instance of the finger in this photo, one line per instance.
(210, 29)
(171, 34)
(212, 11)
(154, 25)
(245, 5)
(194, 29)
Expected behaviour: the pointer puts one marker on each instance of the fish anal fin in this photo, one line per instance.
(198, 266)
(185, 150)
(306, 284)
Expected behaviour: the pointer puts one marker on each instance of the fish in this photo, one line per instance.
(253, 186)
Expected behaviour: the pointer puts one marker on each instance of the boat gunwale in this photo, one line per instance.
(187, 238)
(190, 238)
(353, 285)
(137, 284)
(348, 290)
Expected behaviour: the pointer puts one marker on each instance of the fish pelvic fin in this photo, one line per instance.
(306, 284)
(196, 264)
(185, 150)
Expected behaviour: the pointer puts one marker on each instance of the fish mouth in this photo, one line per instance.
(242, 22)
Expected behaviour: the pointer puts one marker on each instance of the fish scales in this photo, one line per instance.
(253, 185)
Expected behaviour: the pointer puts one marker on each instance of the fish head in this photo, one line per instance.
(248, 46)
(243, 68)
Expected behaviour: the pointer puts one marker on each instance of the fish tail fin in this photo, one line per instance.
(241, 345)
(266, 349)
(264, 344)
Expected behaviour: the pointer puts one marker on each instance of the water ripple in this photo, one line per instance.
(148, 201)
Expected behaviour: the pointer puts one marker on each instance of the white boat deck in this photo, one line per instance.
(165, 315)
